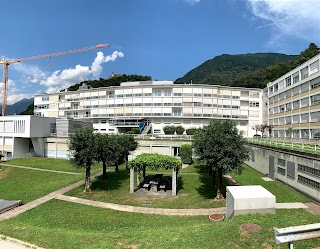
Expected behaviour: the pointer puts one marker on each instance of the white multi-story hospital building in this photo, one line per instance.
(153, 105)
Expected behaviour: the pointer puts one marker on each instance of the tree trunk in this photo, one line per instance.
(104, 171)
(117, 168)
(219, 188)
(210, 170)
(144, 173)
(126, 161)
(87, 184)
(214, 176)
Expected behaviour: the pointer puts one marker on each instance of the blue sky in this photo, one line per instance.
(161, 38)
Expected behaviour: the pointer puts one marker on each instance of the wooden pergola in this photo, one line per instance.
(154, 161)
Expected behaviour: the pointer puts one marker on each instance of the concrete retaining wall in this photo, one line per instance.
(298, 171)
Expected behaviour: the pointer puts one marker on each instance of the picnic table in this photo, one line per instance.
(154, 182)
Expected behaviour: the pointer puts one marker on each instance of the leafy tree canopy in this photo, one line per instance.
(155, 161)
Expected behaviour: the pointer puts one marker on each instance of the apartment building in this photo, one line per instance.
(294, 102)
(153, 105)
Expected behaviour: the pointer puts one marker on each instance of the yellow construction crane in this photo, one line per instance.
(6, 64)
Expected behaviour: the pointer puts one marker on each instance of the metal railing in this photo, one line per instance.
(308, 147)
(164, 137)
(296, 233)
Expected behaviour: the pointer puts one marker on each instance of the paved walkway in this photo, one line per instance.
(47, 170)
(143, 210)
(11, 243)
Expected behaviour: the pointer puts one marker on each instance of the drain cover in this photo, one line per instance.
(250, 227)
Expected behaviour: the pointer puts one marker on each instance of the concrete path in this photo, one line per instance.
(143, 210)
(11, 243)
(47, 170)
(21, 209)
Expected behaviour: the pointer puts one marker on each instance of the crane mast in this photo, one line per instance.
(6, 64)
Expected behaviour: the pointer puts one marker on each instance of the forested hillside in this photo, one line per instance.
(112, 81)
(247, 70)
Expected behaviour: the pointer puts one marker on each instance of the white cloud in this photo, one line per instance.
(192, 2)
(63, 79)
(289, 18)
(12, 93)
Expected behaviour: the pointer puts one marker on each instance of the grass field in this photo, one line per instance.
(63, 225)
(282, 192)
(28, 185)
(52, 164)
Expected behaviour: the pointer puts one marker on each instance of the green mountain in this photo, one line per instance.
(246, 70)
(225, 69)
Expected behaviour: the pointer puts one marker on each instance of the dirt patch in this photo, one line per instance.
(250, 227)
(125, 245)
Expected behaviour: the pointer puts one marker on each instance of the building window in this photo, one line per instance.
(45, 98)
(167, 92)
(288, 94)
(315, 133)
(295, 105)
(281, 171)
(304, 133)
(271, 90)
(288, 120)
(304, 118)
(157, 93)
(308, 170)
(254, 94)
(156, 131)
(305, 87)
(281, 84)
(304, 73)
(254, 104)
(296, 90)
(295, 77)
(314, 67)
(295, 119)
(315, 116)
(288, 107)
(315, 99)
(304, 102)
(288, 81)
(309, 182)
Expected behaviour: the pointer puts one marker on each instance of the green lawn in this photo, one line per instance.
(63, 225)
(28, 185)
(194, 191)
(52, 164)
(282, 192)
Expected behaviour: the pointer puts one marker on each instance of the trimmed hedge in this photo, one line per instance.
(155, 161)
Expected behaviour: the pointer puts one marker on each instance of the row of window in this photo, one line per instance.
(194, 104)
(281, 171)
(175, 114)
(156, 94)
(309, 182)
(298, 133)
(308, 170)
(295, 77)
(301, 103)
(296, 119)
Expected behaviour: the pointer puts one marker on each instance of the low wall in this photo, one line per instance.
(301, 172)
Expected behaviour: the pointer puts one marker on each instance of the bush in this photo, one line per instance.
(169, 129)
(155, 162)
(133, 131)
(179, 130)
(186, 153)
(191, 131)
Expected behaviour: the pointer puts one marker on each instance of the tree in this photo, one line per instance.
(191, 131)
(257, 128)
(82, 147)
(127, 144)
(270, 127)
(186, 153)
(221, 147)
(263, 128)
(105, 152)
(289, 132)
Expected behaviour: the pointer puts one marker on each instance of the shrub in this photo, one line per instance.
(169, 129)
(133, 131)
(179, 130)
(155, 161)
(191, 131)
(186, 153)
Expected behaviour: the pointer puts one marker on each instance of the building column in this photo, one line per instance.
(174, 182)
(131, 180)
(138, 178)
